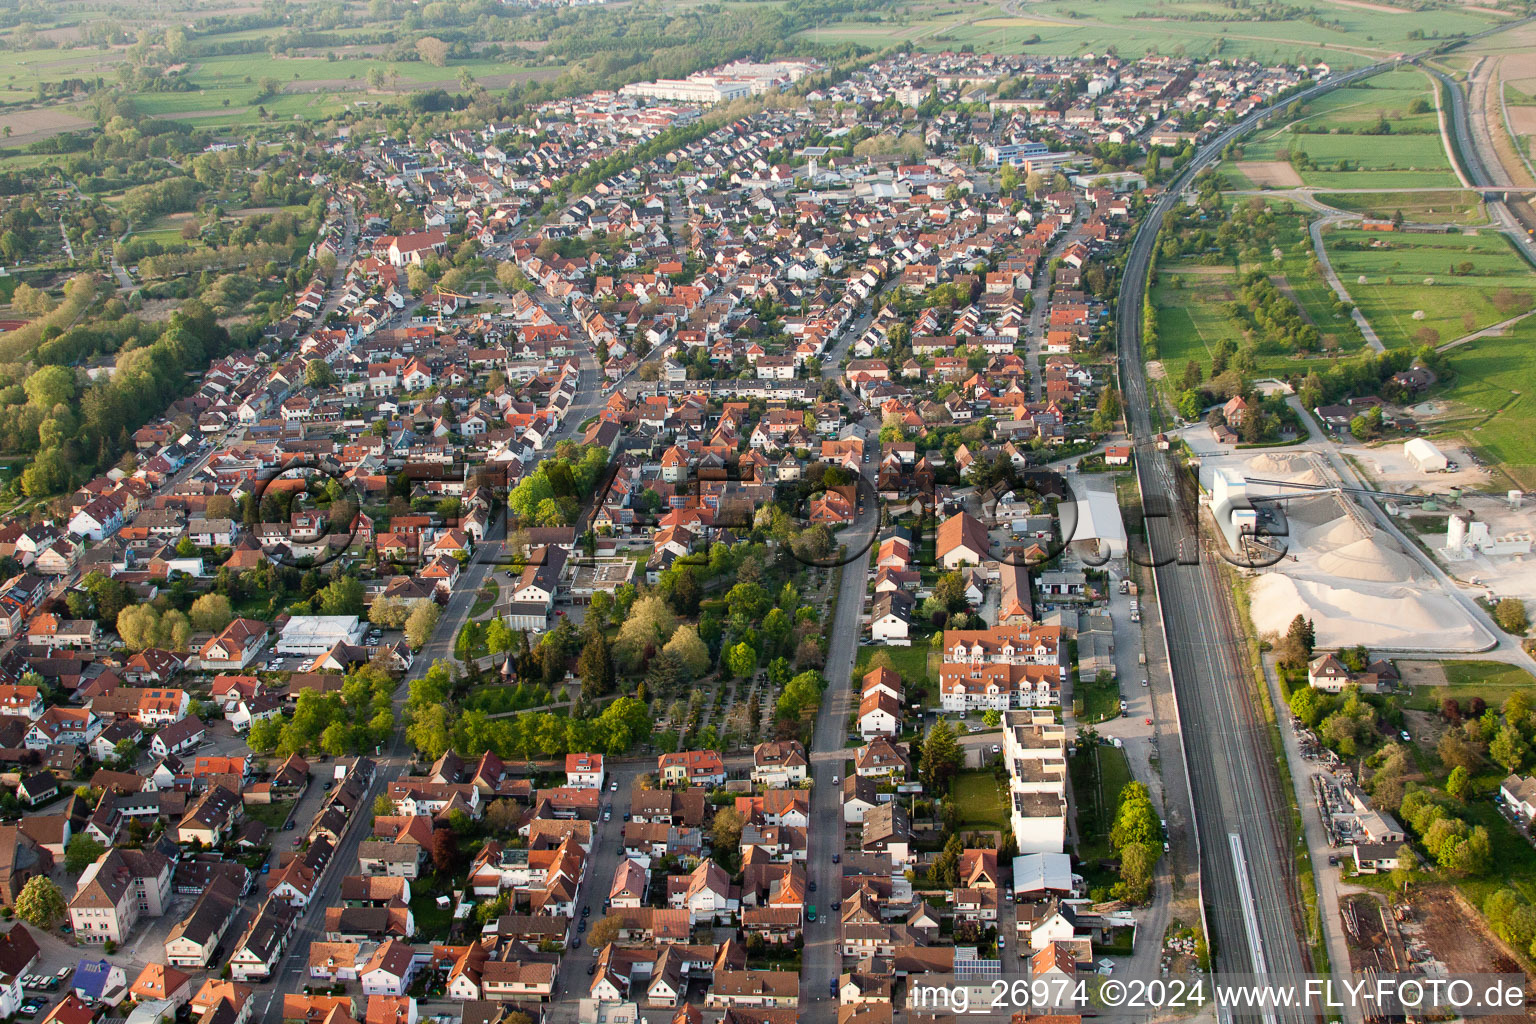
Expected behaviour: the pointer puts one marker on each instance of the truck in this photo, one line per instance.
(1141, 658)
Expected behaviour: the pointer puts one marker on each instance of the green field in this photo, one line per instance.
(1192, 318)
(1341, 35)
(1491, 405)
(1380, 161)
(1386, 95)
(1491, 680)
(1396, 267)
(1411, 155)
(228, 87)
(1459, 207)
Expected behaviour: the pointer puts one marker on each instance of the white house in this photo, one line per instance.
(891, 618)
(584, 771)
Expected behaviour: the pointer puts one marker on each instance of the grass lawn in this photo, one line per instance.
(1098, 701)
(1491, 406)
(228, 87)
(432, 921)
(1412, 154)
(485, 597)
(1098, 775)
(1343, 34)
(271, 815)
(982, 800)
(1396, 267)
(1388, 95)
(1192, 317)
(1416, 207)
(1491, 680)
(911, 662)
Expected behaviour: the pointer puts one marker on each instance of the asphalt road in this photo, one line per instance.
(822, 961)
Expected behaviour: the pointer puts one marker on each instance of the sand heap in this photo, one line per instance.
(1279, 462)
(1332, 535)
(1379, 616)
(1358, 585)
(1377, 559)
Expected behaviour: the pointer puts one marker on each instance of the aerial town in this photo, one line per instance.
(748, 593)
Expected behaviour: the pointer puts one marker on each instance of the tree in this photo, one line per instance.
(941, 758)
(211, 613)
(1310, 705)
(40, 903)
(48, 474)
(444, 849)
(649, 623)
(50, 386)
(600, 609)
(1303, 634)
(389, 612)
(126, 752)
(137, 626)
(1509, 748)
(1459, 784)
(318, 374)
(945, 872)
(336, 739)
(595, 666)
(726, 830)
(81, 853)
(1517, 710)
(741, 660)
(1456, 751)
(1510, 614)
(1405, 874)
(1107, 415)
(498, 636)
(605, 932)
(383, 806)
(1136, 820)
(342, 596)
(1138, 862)
(421, 623)
(433, 50)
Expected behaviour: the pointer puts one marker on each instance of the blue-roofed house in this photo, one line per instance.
(98, 981)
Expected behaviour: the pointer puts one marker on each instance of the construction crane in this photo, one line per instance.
(441, 293)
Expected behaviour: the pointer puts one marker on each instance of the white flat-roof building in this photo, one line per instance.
(1099, 532)
(316, 634)
(1426, 458)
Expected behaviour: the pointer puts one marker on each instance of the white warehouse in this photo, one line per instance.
(1425, 457)
(316, 634)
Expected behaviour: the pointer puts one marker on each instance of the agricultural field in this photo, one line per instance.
(228, 88)
(1339, 32)
(1431, 207)
(1330, 131)
(1192, 318)
(1460, 282)
(1489, 401)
